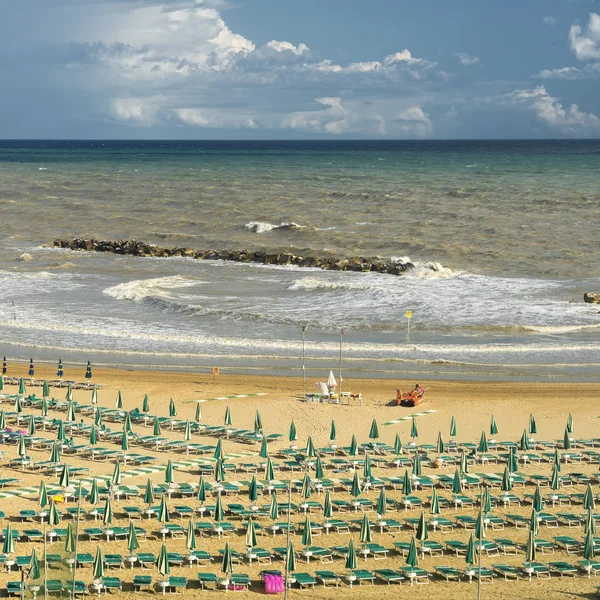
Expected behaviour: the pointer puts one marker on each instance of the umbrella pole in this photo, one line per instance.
(287, 558)
(304, 361)
(76, 539)
(479, 576)
(45, 568)
(341, 338)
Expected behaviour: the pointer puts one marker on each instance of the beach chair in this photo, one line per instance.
(456, 546)
(328, 578)
(33, 535)
(431, 548)
(360, 576)
(76, 587)
(142, 583)
(563, 568)
(507, 546)
(448, 573)
(304, 580)
(199, 557)
(389, 576)
(378, 551)
(54, 586)
(465, 521)
(147, 560)
(113, 561)
(14, 588)
(176, 584)
(540, 570)
(483, 574)
(571, 519)
(240, 580)
(84, 559)
(339, 526)
(519, 521)
(111, 584)
(416, 575)
(590, 567)
(206, 578)
(548, 519)
(568, 543)
(509, 572)
(545, 546)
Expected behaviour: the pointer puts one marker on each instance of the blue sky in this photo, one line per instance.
(300, 69)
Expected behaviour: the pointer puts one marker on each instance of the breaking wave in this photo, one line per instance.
(142, 289)
(263, 227)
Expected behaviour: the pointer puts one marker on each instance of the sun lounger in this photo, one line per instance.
(85, 559)
(432, 548)
(465, 521)
(568, 543)
(509, 572)
(54, 586)
(111, 584)
(175, 584)
(507, 546)
(206, 578)
(590, 567)
(545, 546)
(14, 588)
(548, 519)
(456, 546)
(518, 521)
(484, 574)
(563, 568)
(147, 560)
(113, 560)
(304, 580)
(360, 576)
(449, 573)
(416, 575)
(142, 583)
(540, 570)
(77, 587)
(389, 576)
(570, 519)
(328, 578)
(240, 579)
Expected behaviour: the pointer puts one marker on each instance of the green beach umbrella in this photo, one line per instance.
(513, 462)
(228, 421)
(218, 449)
(589, 523)
(127, 424)
(162, 564)
(367, 467)
(414, 433)
(556, 462)
(257, 422)
(434, 509)
(227, 562)
(483, 445)
(307, 538)
(71, 412)
(60, 432)
(293, 435)
(34, 566)
(45, 390)
(532, 424)
(53, 514)
(327, 505)
(355, 491)
(332, 432)
(201, 494)
(149, 497)
(351, 561)
(264, 448)
(69, 394)
(374, 433)
(588, 498)
(119, 403)
(453, 427)
(18, 405)
(219, 472)
(470, 554)
(55, 452)
(44, 407)
(319, 473)
(108, 512)
(493, 426)
(251, 540)
(398, 445)
(94, 493)
(157, 430)
(219, 511)
(22, 390)
(381, 503)
(538, 500)
(570, 423)
(412, 560)
(567, 440)
(124, 441)
(534, 524)
(417, 469)
(116, 476)
(439, 448)
(506, 485)
(480, 526)
(406, 484)
(64, 480)
(4, 369)
(457, 486)
(2, 420)
(95, 395)
(98, 568)
(486, 500)
(290, 558)
(198, 415)
(163, 511)
(530, 549)
(169, 472)
(93, 439)
(524, 442)
(190, 538)
(588, 549)
(132, 543)
(305, 490)
(21, 448)
(146, 404)
(269, 471)
(422, 533)
(353, 451)
(172, 409)
(310, 451)
(274, 508)
(43, 495)
(70, 544)
(253, 489)
(555, 480)
(98, 418)
(365, 530)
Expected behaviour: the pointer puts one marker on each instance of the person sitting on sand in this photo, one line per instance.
(418, 391)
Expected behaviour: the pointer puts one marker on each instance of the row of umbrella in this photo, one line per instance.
(59, 372)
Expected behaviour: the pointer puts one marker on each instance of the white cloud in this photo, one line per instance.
(466, 59)
(586, 43)
(589, 71)
(549, 20)
(568, 120)
(299, 50)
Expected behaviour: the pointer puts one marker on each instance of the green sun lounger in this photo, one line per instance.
(563, 568)
(147, 560)
(240, 579)
(85, 559)
(176, 584)
(111, 584)
(507, 546)
(448, 573)
(304, 580)
(360, 576)
(206, 578)
(545, 546)
(328, 578)
(568, 543)
(76, 587)
(506, 571)
(389, 576)
(142, 583)
(456, 546)
(540, 570)
(54, 586)
(416, 575)
(13, 588)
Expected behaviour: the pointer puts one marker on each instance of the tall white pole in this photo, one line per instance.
(341, 339)
(76, 539)
(304, 359)
(287, 557)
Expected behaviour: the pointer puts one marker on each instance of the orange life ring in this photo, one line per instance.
(215, 371)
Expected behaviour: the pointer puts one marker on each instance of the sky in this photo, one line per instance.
(305, 69)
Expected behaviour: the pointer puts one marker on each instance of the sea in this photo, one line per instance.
(504, 237)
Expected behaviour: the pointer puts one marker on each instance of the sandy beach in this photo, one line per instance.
(472, 404)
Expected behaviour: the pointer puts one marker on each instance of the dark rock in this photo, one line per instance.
(592, 297)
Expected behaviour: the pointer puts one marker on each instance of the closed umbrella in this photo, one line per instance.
(365, 530)
(94, 493)
(483, 445)
(162, 565)
(398, 445)
(251, 540)
(374, 433)
(524, 442)
(412, 560)
(406, 484)
(93, 439)
(34, 566)
(332, 432)
(43, 495)
(435, 503)
(88, 370)
(453, 427)
(417, 469)
(567, 440)
(290, 558)
(59, 371)
(305, 491)
(169, 472)
(556, 462)
(307, 539)
(310, 451)
(253, 490)
(327, 506)
(190, 538)
(132, 543)
(486, 500)
(98, 418)
(116, 476)
(555, 480)
(198, 415)
(218, 450)
(2, 420)
(60, 432)
(70, 544)
(69, 394)
(257, 422)
(293, 435)
(227, 562)
(108, 512)
(149, 497)
(513, 461)
(319, 473)
(439, 448)
(53, 514)
(146, 404)
(493, 426)
(21, 448)
(414, 434)
(264, 448)
(22, 390)
(532, 424)
(71, 412)
(269, 472)
(274, 508)
(94, 395)
(589, 523)
(353, 451)
(31, 426)
(457, 486)
(18, 407)
(367, 467)
(119, 403)
(9, 543)
(44, 410)
(172, 409)
(127, 424)
(355, 490)
(589, 501)
(219, 511)
(64, 480)
(506, 485)
(201, 494)
(534, 522)
(588, 549)
(31, 368)
(45, 390)
(219, 472)
(228, 421)
(538, 500)
(381, 503)
(163, 511)
(480, 527)
(351, 561)
(470, 554)
(530, 550)
(422, 533)
(570, 423)
(124, 441)
(98, 568)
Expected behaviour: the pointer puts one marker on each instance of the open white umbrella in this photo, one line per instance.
(331, 382)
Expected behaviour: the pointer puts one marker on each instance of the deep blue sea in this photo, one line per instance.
(503, 235)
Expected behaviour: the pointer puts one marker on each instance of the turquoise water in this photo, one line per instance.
(503, 236)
